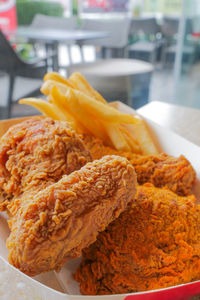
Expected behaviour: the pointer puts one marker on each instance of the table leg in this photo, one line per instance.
(103, 52)
(69, 54)
(51, 56)
(55, 57)
(80, 44)
(47, 54)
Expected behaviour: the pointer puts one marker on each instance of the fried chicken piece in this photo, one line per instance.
(36, 153)
(162, 170)
(54, 226)
(153, 245)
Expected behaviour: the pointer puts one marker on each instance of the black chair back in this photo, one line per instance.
(170, 26)
(147, 26)
(9, 60)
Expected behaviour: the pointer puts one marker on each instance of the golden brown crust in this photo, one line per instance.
(153, 245)
(162, 170)
(36, 153)
(54, 225)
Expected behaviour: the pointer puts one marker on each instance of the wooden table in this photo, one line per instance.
(184, 121)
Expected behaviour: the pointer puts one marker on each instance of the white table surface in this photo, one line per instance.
(57, 35)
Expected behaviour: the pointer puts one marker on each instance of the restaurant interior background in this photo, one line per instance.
(169, 43)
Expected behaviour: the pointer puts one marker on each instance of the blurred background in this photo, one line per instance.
(135, 51)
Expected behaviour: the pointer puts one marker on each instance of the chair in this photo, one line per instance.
(169, 30)
(196, 25)
(51, 22)
(14, 66)
(151, 41)
(115, 44)
(43, 21)
(127, 80)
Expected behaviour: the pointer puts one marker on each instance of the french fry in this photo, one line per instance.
(85, 118)
(103, 111)
(58, 78)
(141, 134)
(116, 137)
(133, 143)
(58, 100)
(99, 109)
(76, 81)
(75, 101)
(80, 83)
(49, 84)
(48, 109)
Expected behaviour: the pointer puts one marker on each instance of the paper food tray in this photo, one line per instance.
(16, 285)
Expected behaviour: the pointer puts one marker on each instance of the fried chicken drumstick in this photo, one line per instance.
(55, 224)
(162, 170)
(36, 153)
(153, 245)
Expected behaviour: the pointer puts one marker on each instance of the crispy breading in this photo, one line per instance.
(162, 170)
(36, 153)
(53, 226)
(154, 244)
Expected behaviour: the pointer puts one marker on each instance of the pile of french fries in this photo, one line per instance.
(75, 101)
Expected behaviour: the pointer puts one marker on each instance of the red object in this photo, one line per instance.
(196, 34)
(94, 3)
(8, 16)
(182, 292)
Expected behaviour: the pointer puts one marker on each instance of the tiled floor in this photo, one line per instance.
(186, 92)
(22, 87)
(162, 86)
